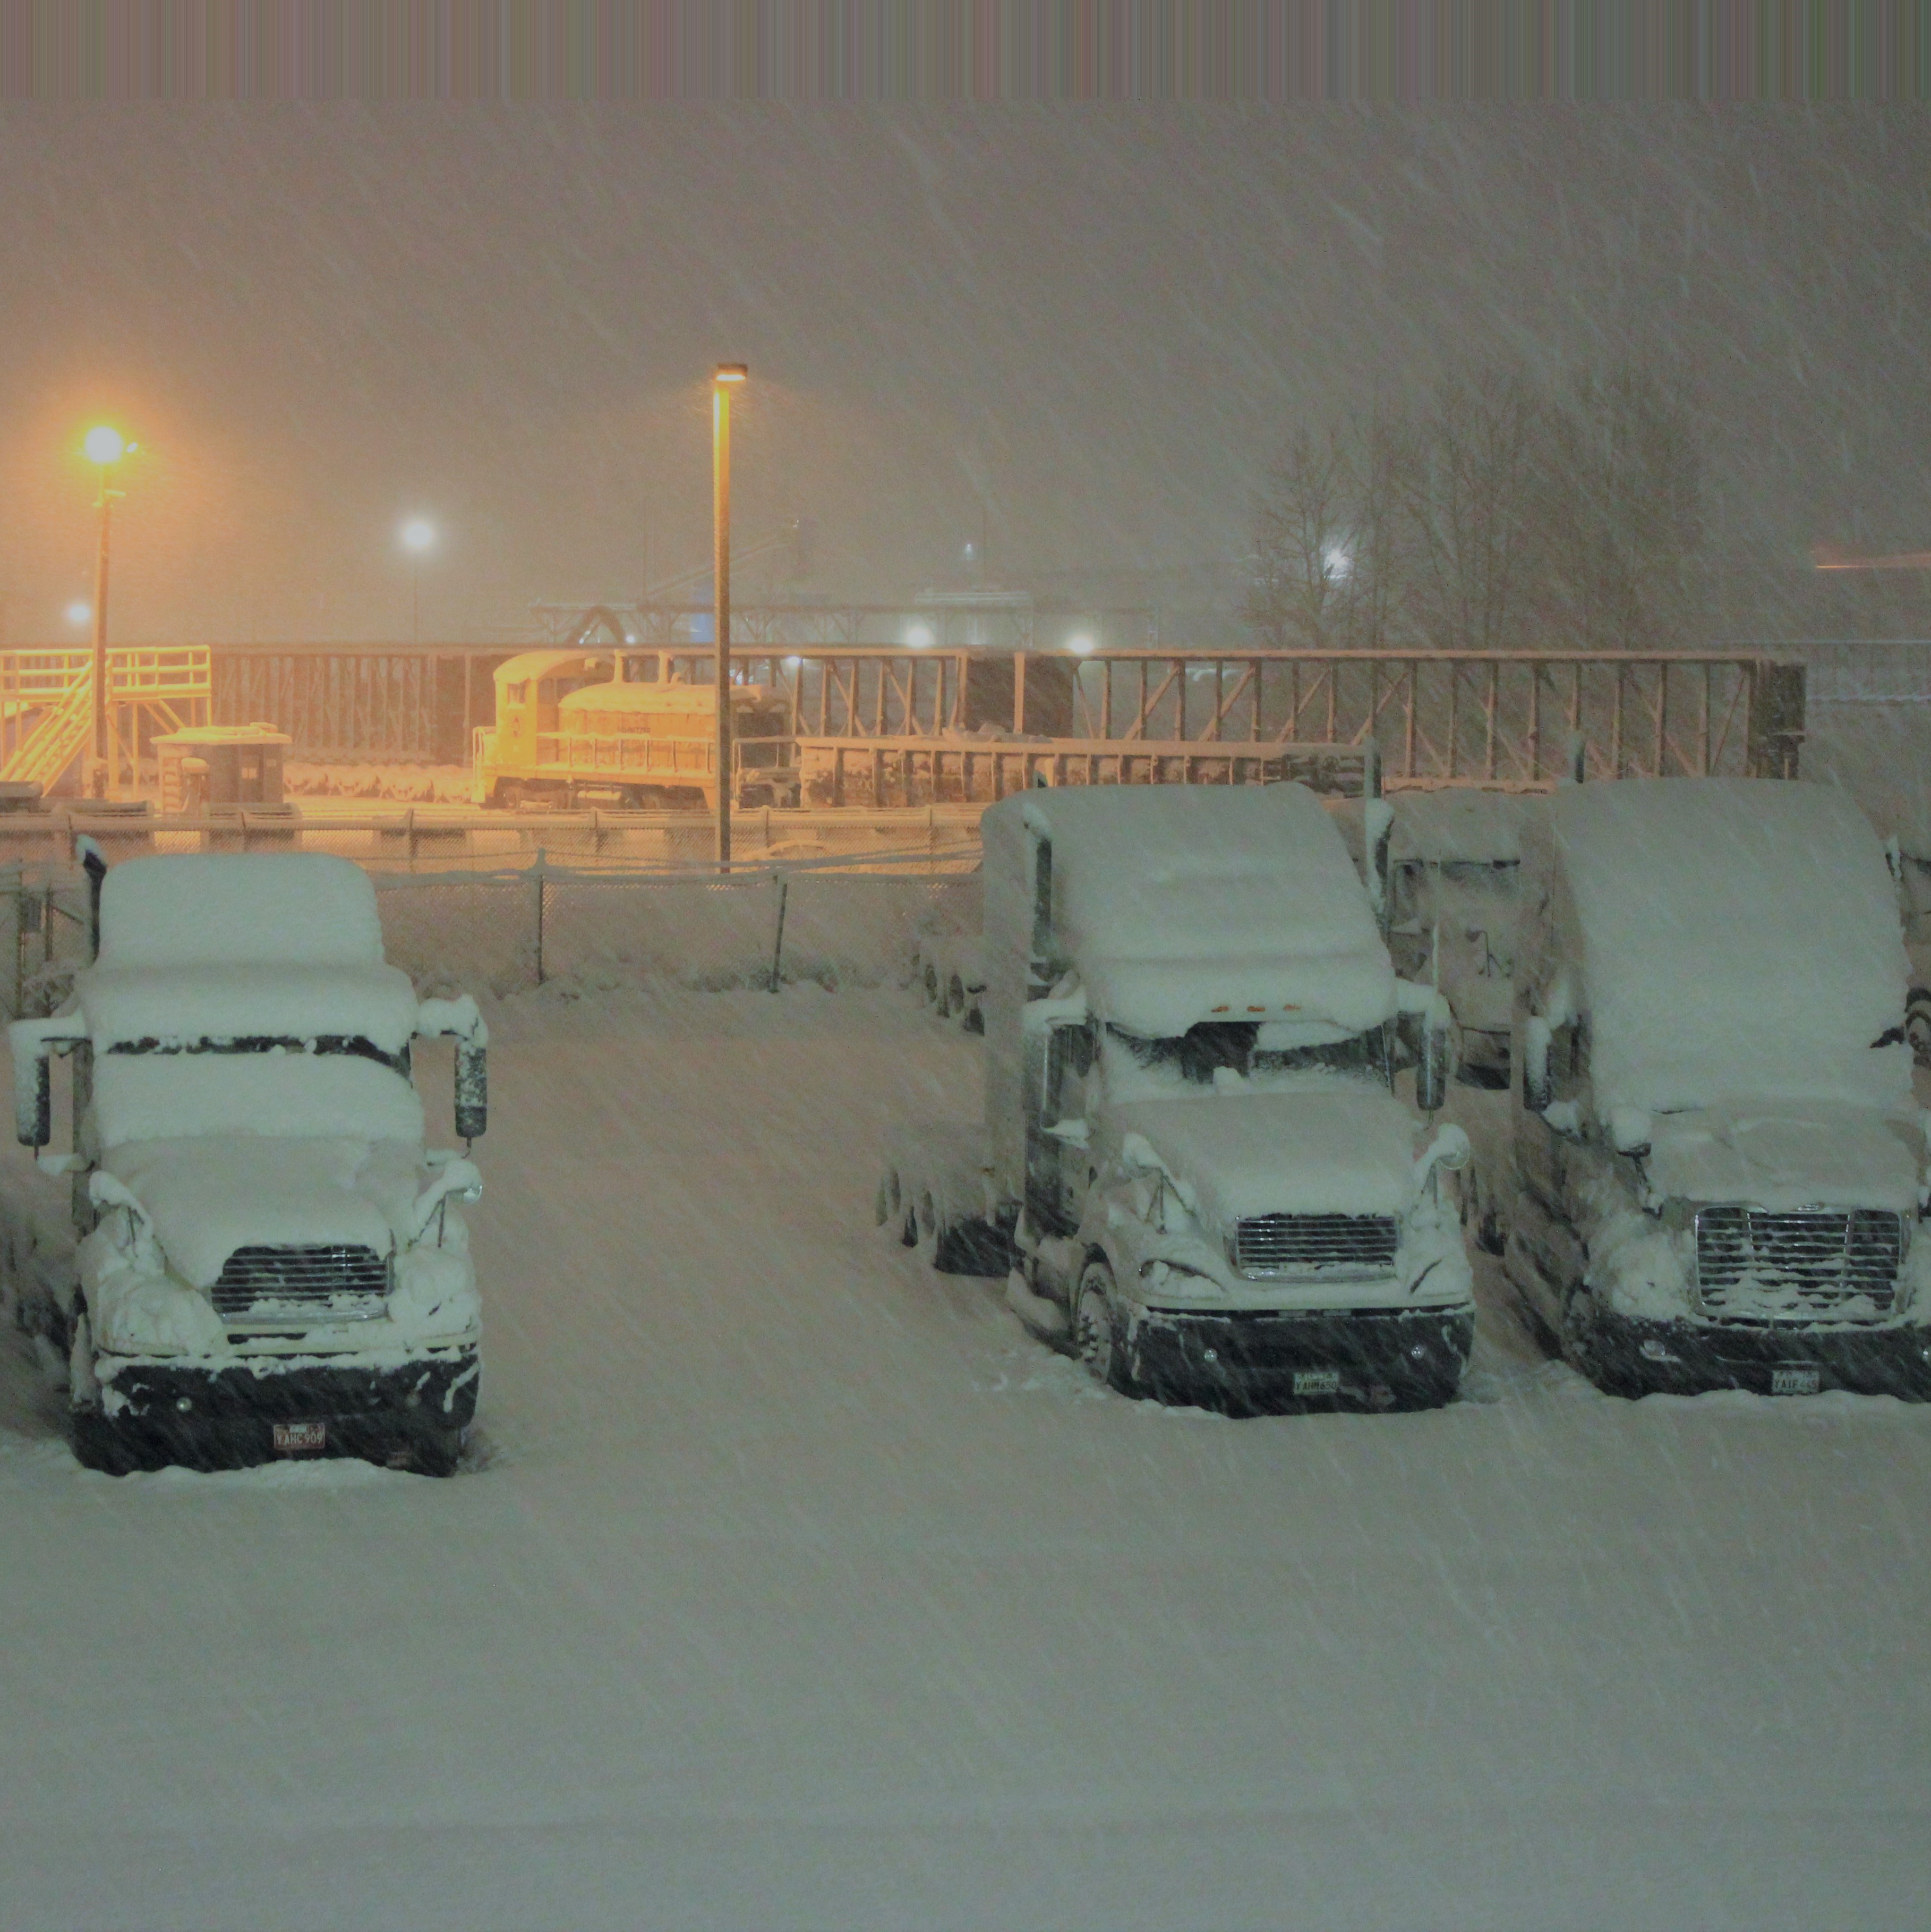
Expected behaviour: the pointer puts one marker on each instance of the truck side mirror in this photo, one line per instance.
(458, 1019)
(472, 1090)
(1432, 1075)
(33, 1102)
(32, 1042)
(1537, 1089)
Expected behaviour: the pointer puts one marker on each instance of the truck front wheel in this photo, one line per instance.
(1096, 1337)
(101, 1445)
(429, 1451)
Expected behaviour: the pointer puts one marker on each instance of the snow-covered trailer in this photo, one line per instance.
(266, 1258)
(1191, 1132)
(1719, 1169)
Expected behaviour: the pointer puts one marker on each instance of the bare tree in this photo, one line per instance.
(1624, 532)
(1494, 518)
(1301, 586)
(1327, 535)
(1469, 500)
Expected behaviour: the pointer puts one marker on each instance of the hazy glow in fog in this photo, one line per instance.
(418, 535)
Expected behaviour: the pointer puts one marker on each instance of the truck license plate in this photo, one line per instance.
(1316, 1381)
(1794, 1381)
(301, 1439)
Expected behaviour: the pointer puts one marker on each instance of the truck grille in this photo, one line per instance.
(1797, 1266)
(1343, 1247)
(277, 1288)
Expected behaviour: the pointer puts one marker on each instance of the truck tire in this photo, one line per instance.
(1095, 1330)
(101, 1445)
(432, 1451)
(1480, 1215)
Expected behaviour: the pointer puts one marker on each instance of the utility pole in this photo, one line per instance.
(729, 375)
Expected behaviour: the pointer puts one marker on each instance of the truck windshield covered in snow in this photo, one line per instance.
(1241, 1054)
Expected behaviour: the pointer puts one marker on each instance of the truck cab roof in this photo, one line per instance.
(1185, 904)
(242, 945)
(1734, 936)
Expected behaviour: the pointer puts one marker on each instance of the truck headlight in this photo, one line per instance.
(1176, 1278)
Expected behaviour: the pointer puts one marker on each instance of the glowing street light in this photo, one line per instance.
(104, 447)
(418, 539)
(1080, 645)
(728, 376)
(80, 612)
(920, 637)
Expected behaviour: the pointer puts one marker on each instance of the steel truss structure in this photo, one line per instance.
(1507, 720)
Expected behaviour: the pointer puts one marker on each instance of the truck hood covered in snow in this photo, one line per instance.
(1782, 1155)
(1326, 1153)
(207, 1197)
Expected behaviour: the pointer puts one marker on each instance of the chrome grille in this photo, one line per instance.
(296, 1287)
(1799, 1265)
(1340, 1247)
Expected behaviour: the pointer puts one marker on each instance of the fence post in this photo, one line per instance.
(783, 886)
(536, 872)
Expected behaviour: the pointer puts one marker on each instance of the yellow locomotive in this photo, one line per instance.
(635, 728)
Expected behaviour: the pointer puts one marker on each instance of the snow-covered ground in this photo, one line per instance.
(793, 1586)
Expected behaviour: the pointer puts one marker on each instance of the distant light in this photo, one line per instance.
(920, 637)
(791, 664)
(1338, 560)
(418, 534)
(733, 372)
(971, 552)
(1081, 646)
(103, 445)
(78, 613)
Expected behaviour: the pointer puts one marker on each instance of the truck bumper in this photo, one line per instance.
(226, 1417)
(1637, 1356)
(1371, 1359)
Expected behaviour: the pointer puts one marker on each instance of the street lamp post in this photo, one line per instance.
(104, 447)
(729, 375)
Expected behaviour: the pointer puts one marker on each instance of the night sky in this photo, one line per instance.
(1089, 326)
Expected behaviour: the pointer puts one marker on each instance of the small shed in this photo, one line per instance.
(221, 765)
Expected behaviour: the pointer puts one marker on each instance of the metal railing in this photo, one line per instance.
(46, 707)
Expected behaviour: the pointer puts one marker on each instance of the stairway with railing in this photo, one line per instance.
(46, 708)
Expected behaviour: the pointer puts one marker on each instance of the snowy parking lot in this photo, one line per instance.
(792, 1585)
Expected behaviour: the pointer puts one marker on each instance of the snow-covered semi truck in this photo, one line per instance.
(1720, 1172)
(265, 1257)
(1191, 1140)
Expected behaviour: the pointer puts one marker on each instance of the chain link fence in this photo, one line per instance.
(837, 923)
(449, 838)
